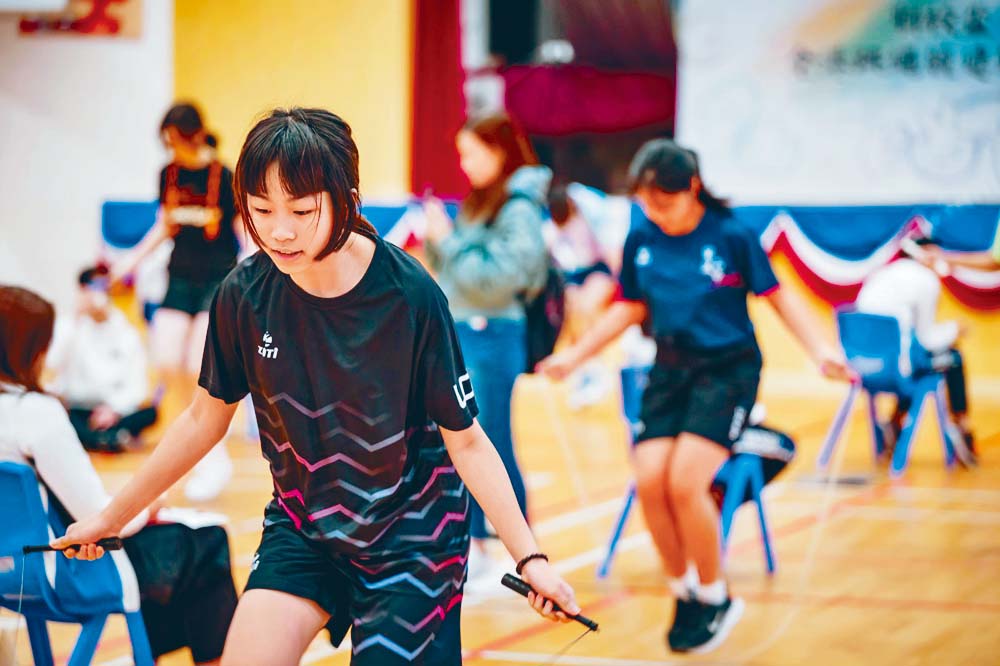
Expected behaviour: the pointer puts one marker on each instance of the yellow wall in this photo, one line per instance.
(240, 58)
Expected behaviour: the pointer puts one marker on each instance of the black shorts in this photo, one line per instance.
(703, 393)
(190, 296)
(403, 611)
(186, 587)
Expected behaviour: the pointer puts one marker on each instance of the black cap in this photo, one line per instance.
(663, 164)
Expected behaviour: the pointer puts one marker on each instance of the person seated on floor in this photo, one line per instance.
(909, 291)
(101, 370)
(187, 595)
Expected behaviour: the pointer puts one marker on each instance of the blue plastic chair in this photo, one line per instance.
(84, 593)
(873, 347)
(740, 472)
(124, 223)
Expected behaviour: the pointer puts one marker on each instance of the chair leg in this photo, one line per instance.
(86, 643)
(142, 654)
(38, 636)
(605, 566)
(736, 477)
(757, 487)
(878, 441)
(902, 453)
(944, 418)
(837, 427)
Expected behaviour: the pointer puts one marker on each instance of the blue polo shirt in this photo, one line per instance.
(696, 285)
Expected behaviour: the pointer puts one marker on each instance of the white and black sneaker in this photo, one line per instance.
(686, 614)
(711, 626)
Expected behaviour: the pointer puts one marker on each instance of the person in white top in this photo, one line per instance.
(909, 291)
(185, 584)
(572, 236)
(101, 369)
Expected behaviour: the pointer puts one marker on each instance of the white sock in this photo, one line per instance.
(713, 593)
(691, 577)
(684, 587)
(680, 588)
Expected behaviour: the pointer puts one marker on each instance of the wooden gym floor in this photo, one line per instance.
(869, 571)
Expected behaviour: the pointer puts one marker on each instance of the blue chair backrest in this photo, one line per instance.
(81, 588)
(382, 217)
(22, 522)
(635, 379)
(873, 347)
(124, 223)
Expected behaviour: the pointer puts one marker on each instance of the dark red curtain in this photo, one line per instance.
(557, 100)
(438, 100)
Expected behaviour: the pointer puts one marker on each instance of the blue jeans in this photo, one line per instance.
(494, 357)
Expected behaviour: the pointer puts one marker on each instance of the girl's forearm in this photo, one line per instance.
(612, 323)
(477, 462)
(184, 443)
(978, 260)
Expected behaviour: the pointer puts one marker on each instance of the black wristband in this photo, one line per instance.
(528, 558)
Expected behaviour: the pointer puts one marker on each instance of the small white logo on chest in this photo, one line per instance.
(712, 264)
(267, 351)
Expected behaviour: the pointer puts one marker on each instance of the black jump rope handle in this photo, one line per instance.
(514, 583)
(113, 543)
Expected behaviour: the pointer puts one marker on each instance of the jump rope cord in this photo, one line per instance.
(559, 655)
(575, 474)
(20, 601)
(809, 563)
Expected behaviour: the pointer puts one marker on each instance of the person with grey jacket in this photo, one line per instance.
(487, 263)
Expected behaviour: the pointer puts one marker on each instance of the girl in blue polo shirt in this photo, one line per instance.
(686, 271)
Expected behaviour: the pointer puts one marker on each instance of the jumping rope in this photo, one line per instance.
(514, 583)
(828, 487)
(562, 439)
(809, 562)
(113, 543)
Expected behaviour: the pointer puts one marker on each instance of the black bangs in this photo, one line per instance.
(315, 153)
(296, 150)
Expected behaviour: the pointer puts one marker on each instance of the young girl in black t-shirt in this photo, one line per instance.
(367, 418)
(197, 210)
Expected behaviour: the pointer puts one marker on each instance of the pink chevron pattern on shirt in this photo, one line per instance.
(438, 471)
(438, 611)
(426, 561)
(326, 409)
(339, 508)
(450, 517)
(312, 467)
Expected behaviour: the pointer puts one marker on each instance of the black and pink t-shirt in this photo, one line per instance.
(349, 392)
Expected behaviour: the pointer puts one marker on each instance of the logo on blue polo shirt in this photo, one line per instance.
(712, 264)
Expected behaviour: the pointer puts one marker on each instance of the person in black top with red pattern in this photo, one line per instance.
(197, 210)
(367, 418)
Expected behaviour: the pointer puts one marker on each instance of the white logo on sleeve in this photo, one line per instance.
(267, 351)
(463, 390)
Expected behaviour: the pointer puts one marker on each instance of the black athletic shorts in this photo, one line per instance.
(400, 611)
(190, 296)
(706, 393)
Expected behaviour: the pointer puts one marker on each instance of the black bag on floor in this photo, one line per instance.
(773, 447)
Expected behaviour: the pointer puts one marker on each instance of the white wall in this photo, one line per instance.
(79, 124)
